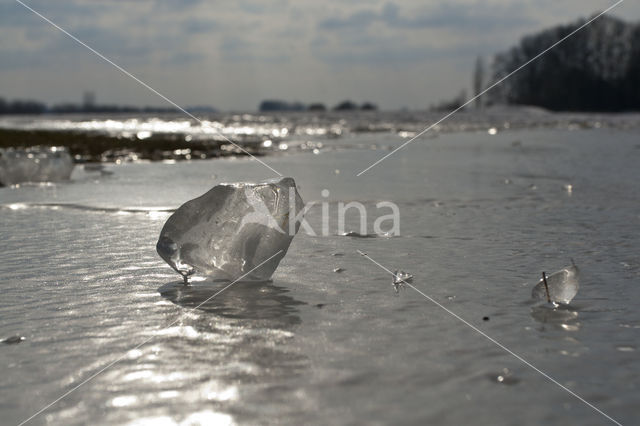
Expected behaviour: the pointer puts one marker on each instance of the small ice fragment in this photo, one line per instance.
(492, 131)
(505, 377)
(35, 164)
(232, 229)
(562, 286)
(400, 278)
(12, 340)
(355, 234)
(143, 134)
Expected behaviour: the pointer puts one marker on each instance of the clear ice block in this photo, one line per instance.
(232, 229)
(35, 164)
(563, 286)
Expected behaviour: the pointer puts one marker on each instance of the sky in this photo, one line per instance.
(233, 54)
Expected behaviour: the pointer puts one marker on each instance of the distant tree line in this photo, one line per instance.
(596, 69)
(34, 107)
(347, 105)
(74, 108)
(21, 107)
(451, 104)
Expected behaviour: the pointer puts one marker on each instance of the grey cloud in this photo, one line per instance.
(13, 13)
(445, 15)
(198, 26)
(182, 58)
(56, 48)
(397, 55)
(360, 19)
(175, 6)
(233, 44)
(261, 7)
(241, 50)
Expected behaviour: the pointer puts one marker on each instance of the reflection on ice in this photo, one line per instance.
(199, 418)
(255, 301)
(300, 131)
(505, 377)
(562, 316)
(124, 401)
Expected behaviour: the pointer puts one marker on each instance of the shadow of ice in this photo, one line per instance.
(242, 300)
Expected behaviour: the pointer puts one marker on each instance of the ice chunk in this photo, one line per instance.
(233, 228)
(562, 285)
(35, 164)
(12, 340)
(400, 278)
(355, 235)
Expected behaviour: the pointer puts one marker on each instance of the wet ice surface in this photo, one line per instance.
(82, 283)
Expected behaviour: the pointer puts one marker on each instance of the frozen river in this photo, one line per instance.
(481, 215)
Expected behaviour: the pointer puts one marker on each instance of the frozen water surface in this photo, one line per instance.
(82, 283)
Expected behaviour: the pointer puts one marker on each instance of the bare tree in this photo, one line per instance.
(597, 69)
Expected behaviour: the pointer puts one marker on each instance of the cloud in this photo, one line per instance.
(357, 20)
(458, 16)
(247, 48)
(238, 49)
(199, 26)
(392, 52)
(390, 36)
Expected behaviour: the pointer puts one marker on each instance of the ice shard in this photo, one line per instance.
(400, 278)
(229, 231)
(35, 164)
(562, 286)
